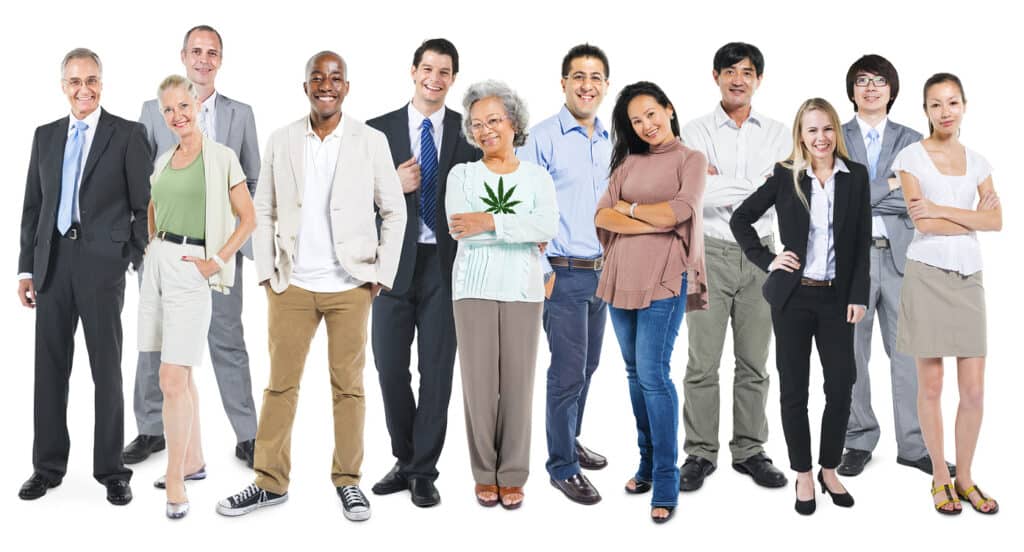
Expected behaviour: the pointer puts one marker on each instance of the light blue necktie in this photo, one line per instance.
(874, 149)
(428, 175)
(69, 179)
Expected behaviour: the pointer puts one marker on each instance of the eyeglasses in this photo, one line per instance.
(878, 80)
(77, 82)
(491, 123)
(580, 78)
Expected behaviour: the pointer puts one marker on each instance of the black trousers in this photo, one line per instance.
(80, 286)
(814, 312)
(417, 429)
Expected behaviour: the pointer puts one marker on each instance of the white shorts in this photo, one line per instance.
(174, 304)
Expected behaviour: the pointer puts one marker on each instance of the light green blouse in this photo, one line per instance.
(179, 198)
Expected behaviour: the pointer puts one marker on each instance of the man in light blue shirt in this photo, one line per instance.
(575, 149)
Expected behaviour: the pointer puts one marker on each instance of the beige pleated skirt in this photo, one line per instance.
(942, 313)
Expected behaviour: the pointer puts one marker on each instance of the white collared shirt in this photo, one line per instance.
(316, 266)
(415, 128)
(92, 120)
(744, 157)
(877, 224)
(821, 243)
(208, 111)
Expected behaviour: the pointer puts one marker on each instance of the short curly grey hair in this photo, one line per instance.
(515, 106)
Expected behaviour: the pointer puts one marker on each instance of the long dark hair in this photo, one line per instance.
(625, 140)
(939, 78)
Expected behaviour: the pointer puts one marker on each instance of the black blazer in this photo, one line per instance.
(851, 228)
(454, 150)
(113, 195)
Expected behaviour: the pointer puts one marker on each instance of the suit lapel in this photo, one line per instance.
(225, 113)
(449, 138)
(893, 133)
(58, 142)
(347, 160)
(296, 153)
(855, 142)
(804, 216)
(99, 143)
(841, 201)
(400, 132)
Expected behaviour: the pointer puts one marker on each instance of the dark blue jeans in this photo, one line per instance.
(646, 337)
(574, 320)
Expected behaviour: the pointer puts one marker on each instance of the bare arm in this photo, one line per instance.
(659, 215)
(614, 221)
(984, 218)
(151, 222)
(912, 193)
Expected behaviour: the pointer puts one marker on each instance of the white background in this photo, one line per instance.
(808, 48)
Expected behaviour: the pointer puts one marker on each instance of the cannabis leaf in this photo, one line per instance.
(499, 203)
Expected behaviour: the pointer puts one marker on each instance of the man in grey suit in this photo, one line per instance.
(873, 140)
(231, 123)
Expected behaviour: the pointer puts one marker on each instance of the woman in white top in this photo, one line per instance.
(950, 197)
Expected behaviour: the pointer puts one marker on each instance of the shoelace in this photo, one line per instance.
(246, 493)
(353, 496)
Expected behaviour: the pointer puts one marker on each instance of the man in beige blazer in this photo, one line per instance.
(325, 178)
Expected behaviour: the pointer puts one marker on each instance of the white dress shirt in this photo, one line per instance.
(415, 128)
(316, 266)
(820, 263)
(208, 113)
(877, 224)
(744, 157)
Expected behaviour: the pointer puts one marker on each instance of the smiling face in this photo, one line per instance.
(945, 106)
(871, 99)
(202, 57)
(82, 85)
(584, 87)
(817, 135)
(433, 77)
(491, 126)
(325, 85)
(179, 109)
(651, 121)
(738, 83)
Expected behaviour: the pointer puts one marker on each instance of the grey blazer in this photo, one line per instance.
(235, 128)
(885, 202)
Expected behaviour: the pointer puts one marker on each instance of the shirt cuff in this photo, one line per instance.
(24, 275)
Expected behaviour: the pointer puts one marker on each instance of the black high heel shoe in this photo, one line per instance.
(804, 507)
(839, 499)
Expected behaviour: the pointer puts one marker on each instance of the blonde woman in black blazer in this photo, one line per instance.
(818, 285)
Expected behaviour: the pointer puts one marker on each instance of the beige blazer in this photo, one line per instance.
(365, 177)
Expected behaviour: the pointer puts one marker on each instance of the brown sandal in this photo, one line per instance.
(505, 491)
(479, 489)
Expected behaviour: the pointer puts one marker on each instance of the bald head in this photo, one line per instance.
(311, 64)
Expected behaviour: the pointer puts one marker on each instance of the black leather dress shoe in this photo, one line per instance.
(393, 482)
(588, 459)
(578, 489)
(36, 486)
(424, 493)
(140, 449)
(119, 492)
(760, 468)
(853, 462)
(693, 471)
(246, 451)
(924, 464)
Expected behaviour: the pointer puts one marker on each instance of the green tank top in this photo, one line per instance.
(179, 199)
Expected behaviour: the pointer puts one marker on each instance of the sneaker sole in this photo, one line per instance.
(235, 512)
(356, 516)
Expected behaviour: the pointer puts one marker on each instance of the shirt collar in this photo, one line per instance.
(336, 133)
(722, 118)
(416, 118)
(91, 119)
(865, 128)
(569, 123)
(836, 167)
(211, 102)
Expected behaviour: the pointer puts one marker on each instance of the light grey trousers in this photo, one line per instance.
(862, 431)
(497, 357)
(230, 365)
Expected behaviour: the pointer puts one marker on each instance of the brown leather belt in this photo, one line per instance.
(815, 283)
(572, 262)
(880, 243)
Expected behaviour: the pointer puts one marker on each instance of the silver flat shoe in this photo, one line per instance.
(200, 474)
(177, 510)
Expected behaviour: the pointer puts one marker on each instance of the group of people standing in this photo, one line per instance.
(471, 233)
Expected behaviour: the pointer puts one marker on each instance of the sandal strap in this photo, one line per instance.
(966, 495)
(951, 498)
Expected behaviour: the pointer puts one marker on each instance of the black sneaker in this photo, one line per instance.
(357, 507)
(249, 499)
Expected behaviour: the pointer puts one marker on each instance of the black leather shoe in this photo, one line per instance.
(853, 462)
(424, 493)
(760, 468)
(140, 449)
(246, 451)
(119, 492)
(693, 471)
(588, 459)
(924, 464)
(36, 486)
(578, 489)
(393, 482)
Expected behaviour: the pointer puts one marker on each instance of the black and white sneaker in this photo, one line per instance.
(249, 499)
(354, 502)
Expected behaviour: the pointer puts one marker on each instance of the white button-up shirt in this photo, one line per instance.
(821, 244)
(877, 224)
(208, 112)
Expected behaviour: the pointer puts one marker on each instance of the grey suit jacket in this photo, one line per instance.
(885, 202)
(235, 128)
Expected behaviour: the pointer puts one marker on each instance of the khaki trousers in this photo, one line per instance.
(293, 317)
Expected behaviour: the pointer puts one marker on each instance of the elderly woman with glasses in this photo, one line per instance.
(500, 209)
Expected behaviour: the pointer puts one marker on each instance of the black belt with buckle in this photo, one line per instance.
(183, 240)
(572, 262)
(880, 243)
(815, 283)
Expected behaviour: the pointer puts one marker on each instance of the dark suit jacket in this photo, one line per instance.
(113, 195)
(454, 150)
(851, 228)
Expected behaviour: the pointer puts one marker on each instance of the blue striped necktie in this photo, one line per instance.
(428, 175)
(69, 179)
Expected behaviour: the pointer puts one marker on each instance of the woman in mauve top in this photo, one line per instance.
(649, 223)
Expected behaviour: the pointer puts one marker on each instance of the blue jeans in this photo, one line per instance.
(646, 337)
(574, 320)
